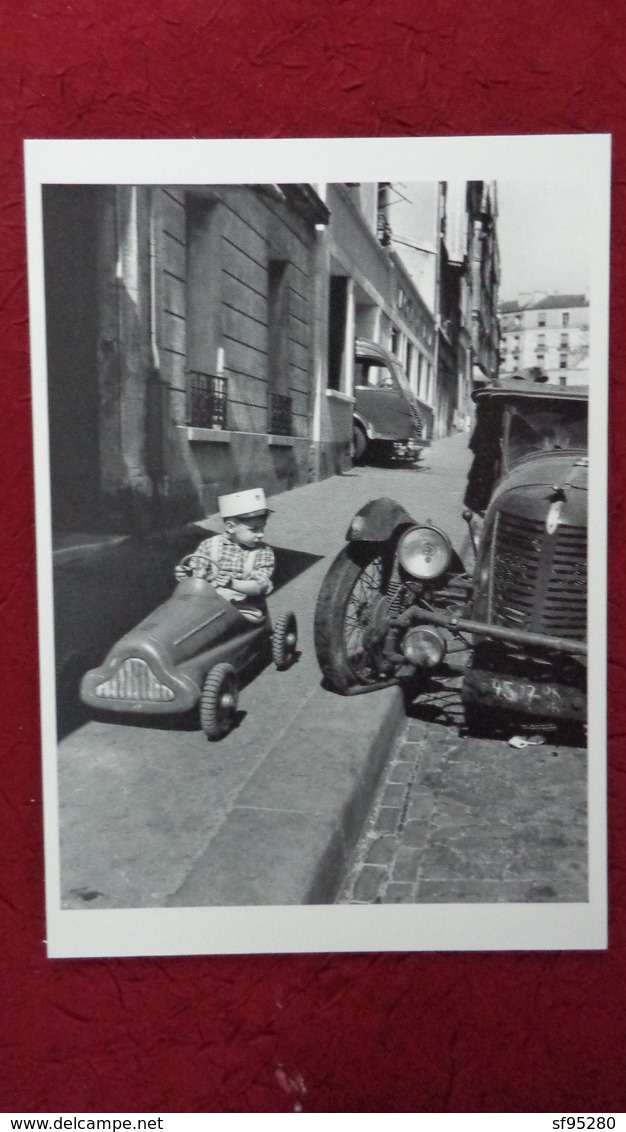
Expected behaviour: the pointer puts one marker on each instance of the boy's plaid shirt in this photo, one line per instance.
(236, 562)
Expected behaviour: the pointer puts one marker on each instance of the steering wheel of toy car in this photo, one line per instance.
(185, 563)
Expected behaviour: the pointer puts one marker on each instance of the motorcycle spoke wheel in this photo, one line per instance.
(352, 595)
(365, 594)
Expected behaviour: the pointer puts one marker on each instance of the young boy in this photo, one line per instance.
(244, 561)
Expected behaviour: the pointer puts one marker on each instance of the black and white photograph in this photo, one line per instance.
(322, 635)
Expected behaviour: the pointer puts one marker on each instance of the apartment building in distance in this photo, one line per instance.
(546, 332)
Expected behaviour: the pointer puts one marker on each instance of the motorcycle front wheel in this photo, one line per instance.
(351, 602)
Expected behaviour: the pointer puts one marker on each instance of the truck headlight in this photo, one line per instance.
(424, 646)
(424, 552)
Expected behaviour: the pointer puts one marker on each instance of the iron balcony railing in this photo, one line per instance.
(280, 415)
(207, 400)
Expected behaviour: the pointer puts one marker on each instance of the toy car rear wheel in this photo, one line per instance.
(218, 703)
(285, 640)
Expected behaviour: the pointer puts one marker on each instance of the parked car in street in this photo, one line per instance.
(388, 418)
(193, 650)
(398, 602)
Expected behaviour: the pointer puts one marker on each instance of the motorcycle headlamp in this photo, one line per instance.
(424, 552)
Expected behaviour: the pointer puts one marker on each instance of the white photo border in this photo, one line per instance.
(578, 158)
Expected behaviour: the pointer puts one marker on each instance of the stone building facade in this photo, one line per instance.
(446, 234)
(180, 323)
(368, 293)
(467, 296)
(547, 332)
(201, 339)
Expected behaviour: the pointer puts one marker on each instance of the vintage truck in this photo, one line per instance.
(401, 604)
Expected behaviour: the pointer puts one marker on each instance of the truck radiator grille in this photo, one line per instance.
(565, 609)
(134, 680)
(417, 421)
(520, 596)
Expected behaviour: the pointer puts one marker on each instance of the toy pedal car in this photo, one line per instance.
(191, 650)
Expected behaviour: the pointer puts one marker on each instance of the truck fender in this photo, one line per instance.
(378, 520)
(365, 425)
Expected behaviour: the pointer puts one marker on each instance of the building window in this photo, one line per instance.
(565, 318)
(541, 340)
(564, 339)
(541, 318)
(278, 399)
(207, 388)
(563, 361)
(395, 341)
(410, 353)
(337, 314)
(422, 377)
(207, 400)
(540, 359)
(518, 320)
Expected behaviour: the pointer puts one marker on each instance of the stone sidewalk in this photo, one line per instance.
(462, 820)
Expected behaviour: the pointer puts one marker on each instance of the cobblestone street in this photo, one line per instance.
(458, 819)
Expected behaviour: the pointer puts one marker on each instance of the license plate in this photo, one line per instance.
(526, 695)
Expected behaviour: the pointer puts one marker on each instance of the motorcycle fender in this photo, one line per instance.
(377, 521)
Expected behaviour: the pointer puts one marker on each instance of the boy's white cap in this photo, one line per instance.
(240, 503)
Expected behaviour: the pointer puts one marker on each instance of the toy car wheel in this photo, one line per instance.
(285, 640)
(218, 703)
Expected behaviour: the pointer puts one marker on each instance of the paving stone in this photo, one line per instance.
(442, 861)
(382, 850)
(406, 865)
(394, 794)
(398, 894)
(388, 819)
(420, 807)
(415, 834)
(368, 884)
(412, 752)
(468, 891)
(401, 772)
(416, 733)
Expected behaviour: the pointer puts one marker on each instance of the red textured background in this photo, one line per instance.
(482, 1032)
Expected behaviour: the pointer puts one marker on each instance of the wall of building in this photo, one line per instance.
(384, 305)
(244, 292)
(468, 276)
(483, 279)
(147, 287)
(243, 262)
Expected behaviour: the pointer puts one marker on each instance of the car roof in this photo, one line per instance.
(520, 387)
(365, 348)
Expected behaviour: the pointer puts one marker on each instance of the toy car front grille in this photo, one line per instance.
(134, 680)
(536, 585)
